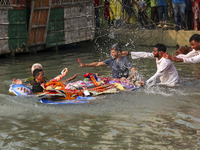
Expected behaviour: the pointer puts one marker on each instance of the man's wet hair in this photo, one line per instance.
(177, 46)
(116, 47)
(195, 37)
(36, 72)
(161, 47)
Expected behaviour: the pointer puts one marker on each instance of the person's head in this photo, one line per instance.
(159, 50)
(36, 66)
(38, 75)
(183, 50)
(115, 50)
(177, 46)
(195, 41)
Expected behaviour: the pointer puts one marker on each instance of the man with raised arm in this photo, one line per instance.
(120, 65)
(166, 70)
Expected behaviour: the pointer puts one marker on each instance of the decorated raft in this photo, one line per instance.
(78, 92)
(48, 96)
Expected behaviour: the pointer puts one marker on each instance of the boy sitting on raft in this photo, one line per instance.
(39, 79)
(30, 80)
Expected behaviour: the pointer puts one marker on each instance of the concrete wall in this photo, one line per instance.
(13, 30)
(71, 22)
(4, 31)
(151, 37)
(55, 34)
(79, 22)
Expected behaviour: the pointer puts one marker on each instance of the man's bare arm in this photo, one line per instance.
(93, 64)
(174, 58)
(133, 73)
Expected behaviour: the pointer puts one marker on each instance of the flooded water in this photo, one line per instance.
(156, 118)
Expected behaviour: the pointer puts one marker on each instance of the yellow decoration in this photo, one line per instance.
(69, 94)
(94, 80)
(119, 86)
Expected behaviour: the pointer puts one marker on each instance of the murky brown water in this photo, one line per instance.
(158, 118)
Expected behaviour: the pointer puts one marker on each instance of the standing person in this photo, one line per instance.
(154, 11)
(112, 10)
(195, 45)
(166, 70)
(106, 11)
(128, 7)
(179, 7)
(120, 65)
(189, 14)
(195, 9)
(96, 12)
(163, 10)
(142, 15)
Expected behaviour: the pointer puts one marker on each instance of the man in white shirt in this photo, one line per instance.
(192, 53)
(185, 52)
(190, 57)
(166, 70)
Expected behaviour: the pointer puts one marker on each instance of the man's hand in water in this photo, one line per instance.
(125, 53)
(80, 62)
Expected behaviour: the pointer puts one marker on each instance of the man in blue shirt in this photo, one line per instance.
(120, 65)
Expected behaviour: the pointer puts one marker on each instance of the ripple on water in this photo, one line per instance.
(155, 118)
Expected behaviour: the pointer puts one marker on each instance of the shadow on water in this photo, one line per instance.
(154, 118)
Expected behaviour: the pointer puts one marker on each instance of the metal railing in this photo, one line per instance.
(14, 2)
(27, 2)
(62, 2)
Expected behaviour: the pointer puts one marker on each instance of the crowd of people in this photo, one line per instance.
(122, 68)
(184, 13)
